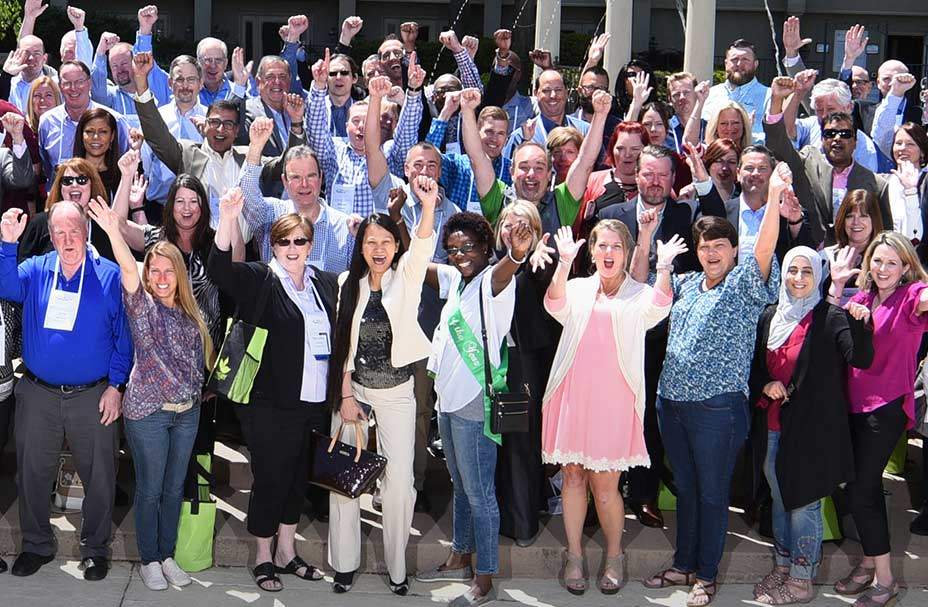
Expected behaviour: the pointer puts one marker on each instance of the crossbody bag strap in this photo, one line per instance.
(486, 352)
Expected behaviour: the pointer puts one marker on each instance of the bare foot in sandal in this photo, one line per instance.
(670, 577)
(701, 594)
(790, 592)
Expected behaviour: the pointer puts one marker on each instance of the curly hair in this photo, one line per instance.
(473, 223)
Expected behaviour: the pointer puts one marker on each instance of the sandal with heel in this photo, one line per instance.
(576, 584)
(878, 596)
(848, 586)
(617, 566)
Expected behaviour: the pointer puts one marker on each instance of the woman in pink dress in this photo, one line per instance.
(601, 353)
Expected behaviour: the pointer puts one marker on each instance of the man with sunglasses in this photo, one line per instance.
(822, 174)
(740, 85)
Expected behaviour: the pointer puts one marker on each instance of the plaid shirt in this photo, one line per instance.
(332, 241)
(345, 170)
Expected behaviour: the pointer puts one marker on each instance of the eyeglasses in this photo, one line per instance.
(302, 178)
(838, 133)
(69, 84)
(398, 54)
(589, 89)
(285, 242)
(71, 179)
(334, 73)
(213, 60)
(275, 77)
(216, 123)
(188, 80)
(463, 249)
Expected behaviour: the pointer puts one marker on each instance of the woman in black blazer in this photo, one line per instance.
(803, 347)
(288, 400)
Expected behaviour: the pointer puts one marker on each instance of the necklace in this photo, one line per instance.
(611, 293)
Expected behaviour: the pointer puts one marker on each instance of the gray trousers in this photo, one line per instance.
(43, 418)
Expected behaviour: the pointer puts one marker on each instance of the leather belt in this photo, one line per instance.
(62, 388)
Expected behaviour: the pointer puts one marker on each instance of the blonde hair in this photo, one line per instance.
(525, 209)
(183, 295)
(32, 119)
(614, 225)
(903, 247)
(562, 135)
(747, 125)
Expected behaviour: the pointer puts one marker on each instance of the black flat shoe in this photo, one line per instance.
(95, 568)
(2, 566)
(264, 573)
(27, 563)
(423, 503)
(342, 582)
(400, 589)
(311, 574)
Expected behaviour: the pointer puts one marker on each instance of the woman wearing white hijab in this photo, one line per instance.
(804, 345)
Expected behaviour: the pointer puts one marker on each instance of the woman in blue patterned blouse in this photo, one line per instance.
(703, 394)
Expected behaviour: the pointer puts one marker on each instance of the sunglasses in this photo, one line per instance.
(71, 180)
(334, 73)
(838, 133)
(285, 242)
(463, 250)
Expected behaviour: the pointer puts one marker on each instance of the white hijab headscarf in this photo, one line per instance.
(791, 310)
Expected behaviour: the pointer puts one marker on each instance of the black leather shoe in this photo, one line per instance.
(648, 514)
(2, 565)
(919, 525)
(28, 563)
(95, 568)
(423, 504)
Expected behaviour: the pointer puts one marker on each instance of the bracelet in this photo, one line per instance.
(797, 222)
(664, 266)
(136, 210)
(348, 396)
(410, 89)
(563, 261)
(910, 191)
(518, 262)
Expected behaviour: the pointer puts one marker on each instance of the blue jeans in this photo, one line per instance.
(161, 444)
(797, 534)
(702, 440)
(471, 460)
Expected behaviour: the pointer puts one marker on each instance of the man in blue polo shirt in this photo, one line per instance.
(77, 351)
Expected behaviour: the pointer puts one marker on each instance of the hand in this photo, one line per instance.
(397, 95)
(415, 75)
(471, 44)
(107, 41)
(103, 215)
(136, 138)
(775, 390)
(469, 99)
(15, 62)
(33, 8)
(353, 222)
(503, 40)
(542, 255)
(426, 190)
(566, 247)
(855, 43)
(284, 33)
(13, 124)
(843, 267)
(790, 209)
(378, 87)
(142, 64)
(200, 123)
(647, 224)
(231, 203)
(598, 48)
(241, 71)
(450, 41)
(409, 34)
(350, 411)
(261, 130)
(792, 39)
(687, 192)
(520, 240)
(901, 83)
(76, 16)
(907, 173)
(12, 225)
(702, 91)
(541, 58)
(782, 87)
(805, 80)
(321, 72)
(640, 89)
(129, 163)
(137, 191)
(694, 160)
(296, 107)
(528, 129)
(452, 103)
(781, 178)
(350, 28)
(858, 311)
(296, 25)
(668, 251)
(395, 201)
(110, 406)
(147, 17)
(602, 103)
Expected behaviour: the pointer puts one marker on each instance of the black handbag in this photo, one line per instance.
(342, 468)
(508, 410)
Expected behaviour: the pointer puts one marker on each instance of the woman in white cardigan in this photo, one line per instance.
(593, 406)
(371, 372)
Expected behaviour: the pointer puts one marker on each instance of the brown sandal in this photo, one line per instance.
(701, 594)
(660, 579)
(849, 586)
(770, 581)
(784, 594)
(878, 596)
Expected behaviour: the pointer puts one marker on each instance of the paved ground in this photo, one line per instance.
(60, 584)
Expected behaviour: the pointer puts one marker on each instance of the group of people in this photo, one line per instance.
(664, 283)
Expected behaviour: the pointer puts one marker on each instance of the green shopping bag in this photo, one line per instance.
(195, 530)
(831, 526)
(896, 463)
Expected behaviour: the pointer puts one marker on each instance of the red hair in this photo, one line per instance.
(632, 128)
(719, 148)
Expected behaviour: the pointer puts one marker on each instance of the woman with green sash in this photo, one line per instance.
(479, 297)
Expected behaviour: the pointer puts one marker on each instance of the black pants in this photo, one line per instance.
(644, 482)
(6, 415)
(280, 447)
(874, 436)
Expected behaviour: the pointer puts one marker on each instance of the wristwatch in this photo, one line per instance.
(120, 387)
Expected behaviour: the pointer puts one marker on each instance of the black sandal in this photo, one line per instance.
(342, 582)
(312, 574)
(264, 573)
(399, 589)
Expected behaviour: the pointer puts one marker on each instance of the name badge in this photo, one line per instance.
(837, 197)
(63, 305)
(342, 197)
(319, 343)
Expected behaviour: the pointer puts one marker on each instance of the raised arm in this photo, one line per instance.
(692, 129)
(317, 129)
(484, 174)
(123, 205)
(100, 89)
(109, 221)
(884, 119)
(163, 143)
(520, 242)
(377, 168)
(567, 251)
(792, 42)
(230, 207)
(766, 243)
(426, 190)
(31, 11)
(640, 93)
(597, 51)
(407, 127)
(579, 172)
(641, 258)
(255, 210)
(12, 281)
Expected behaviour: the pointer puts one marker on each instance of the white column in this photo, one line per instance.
(548, 28)
(699, 51)
(619, 26)
(202, 19)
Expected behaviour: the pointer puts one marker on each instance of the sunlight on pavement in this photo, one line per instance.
(526, 599)
(73, 569)
(248, 597)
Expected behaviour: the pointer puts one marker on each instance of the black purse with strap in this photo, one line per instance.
(508, 410)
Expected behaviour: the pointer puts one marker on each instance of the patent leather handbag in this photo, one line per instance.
(345, 469)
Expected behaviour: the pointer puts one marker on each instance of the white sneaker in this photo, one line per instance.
(173, 573)
(152, 576)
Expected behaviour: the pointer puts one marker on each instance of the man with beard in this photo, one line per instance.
(740, 85)
(531, 168)
(595, 79)
(681, 86)
(823, 174)
(551, 95)
(119, 97)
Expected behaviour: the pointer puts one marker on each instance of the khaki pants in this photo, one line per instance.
(395, 410)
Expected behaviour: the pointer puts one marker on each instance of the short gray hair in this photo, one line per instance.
(269, 59)
(302, 151)
(831, 86)
(208, 41)
(185, 59)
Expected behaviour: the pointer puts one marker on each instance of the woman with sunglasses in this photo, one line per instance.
(289, 394)
(371, 372)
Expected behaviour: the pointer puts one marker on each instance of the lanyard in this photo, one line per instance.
(80, 284)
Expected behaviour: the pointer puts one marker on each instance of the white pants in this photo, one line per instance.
(395, 410)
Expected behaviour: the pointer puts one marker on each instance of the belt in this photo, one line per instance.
(178, 407)
(59, 387)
